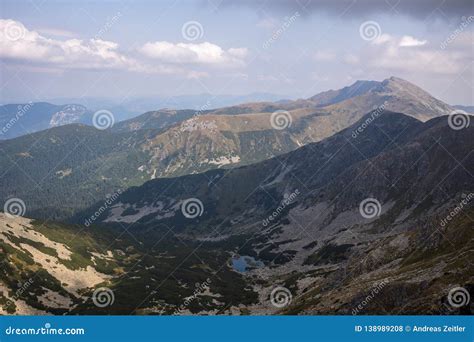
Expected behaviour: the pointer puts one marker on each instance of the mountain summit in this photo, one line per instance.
(396, 94)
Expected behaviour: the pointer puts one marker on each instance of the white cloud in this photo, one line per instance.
(409, 54)
(324, 56)
(405, 41)
(408, 41)
(19, 44)
(185, 53)
(238, 52)
(383, 38)
(268, 23)
(351, 59)
(56, 32)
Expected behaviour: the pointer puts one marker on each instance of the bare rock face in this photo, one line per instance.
(67, 115)
(41, 275)
(19, 119)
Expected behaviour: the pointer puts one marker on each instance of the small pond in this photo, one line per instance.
(242, 263)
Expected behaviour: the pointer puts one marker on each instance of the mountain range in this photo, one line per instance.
(37, 116)
(211, 212)
(76, 164)
(26, 118)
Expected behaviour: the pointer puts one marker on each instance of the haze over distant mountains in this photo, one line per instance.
(20, 119)
(36, 116)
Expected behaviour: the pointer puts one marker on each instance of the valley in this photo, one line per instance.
(341, 212)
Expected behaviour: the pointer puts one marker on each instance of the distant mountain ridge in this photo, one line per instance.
(26, 118)
(171, 143)
(352, 101)
(467, 109)
(396, 94)
(360, 97)
(125, 109)
(334, 96)
(244, 134)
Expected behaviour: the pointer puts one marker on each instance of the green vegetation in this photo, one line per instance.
(329, 253)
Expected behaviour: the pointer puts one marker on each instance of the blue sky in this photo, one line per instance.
(120, 49)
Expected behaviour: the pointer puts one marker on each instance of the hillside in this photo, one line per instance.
(295, 218)
(246, 133)
(79, 165)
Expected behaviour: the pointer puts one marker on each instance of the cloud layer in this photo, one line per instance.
(17, 43)
(420, 9)
(408, 54)
(204, 53)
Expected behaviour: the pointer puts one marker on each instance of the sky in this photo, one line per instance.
(296, 48)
